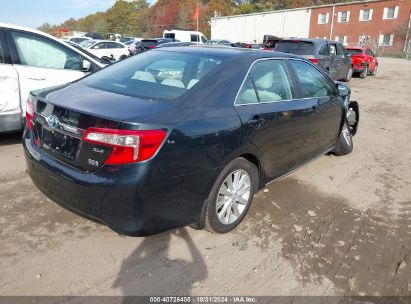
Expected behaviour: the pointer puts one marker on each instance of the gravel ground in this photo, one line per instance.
(338, 226)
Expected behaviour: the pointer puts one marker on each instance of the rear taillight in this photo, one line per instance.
(151, 47)
(315, 61)
(30, 113)
(129, 146)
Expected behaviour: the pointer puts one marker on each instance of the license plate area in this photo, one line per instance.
(56, 142)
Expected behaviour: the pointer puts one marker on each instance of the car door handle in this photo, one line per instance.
(256, 122)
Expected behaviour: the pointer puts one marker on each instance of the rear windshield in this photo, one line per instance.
(354, 51)
(155, 75)
(296, 47)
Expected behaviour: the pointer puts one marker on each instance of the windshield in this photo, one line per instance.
(354, 51)
(156, 75)
(295, 47)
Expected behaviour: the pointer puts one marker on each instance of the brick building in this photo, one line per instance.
(382, 25)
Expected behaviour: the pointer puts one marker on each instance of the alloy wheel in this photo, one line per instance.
(233, 197)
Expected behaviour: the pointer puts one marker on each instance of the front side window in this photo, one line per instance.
(113, 45)
(156, 75)
(340, 50)
(332, 49)
(194, 38)
(203, 39)
(36, 51)
(270, 82)
(313, 82)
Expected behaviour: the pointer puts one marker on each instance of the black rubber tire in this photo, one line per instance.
(349, 75)
(374, 73)
(364, 73)
(122, 57)
(343, 147)
(212, 222)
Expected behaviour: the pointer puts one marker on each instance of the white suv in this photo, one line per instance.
(31, 60)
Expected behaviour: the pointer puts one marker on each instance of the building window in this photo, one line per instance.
(323, 18)
(366, 15)
(386, 40)
(341, 39)
(390, 12)
(343, 16)
(362, 40)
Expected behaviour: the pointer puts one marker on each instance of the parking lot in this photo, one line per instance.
(338, 226)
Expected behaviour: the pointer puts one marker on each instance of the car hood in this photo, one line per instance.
(84, 99)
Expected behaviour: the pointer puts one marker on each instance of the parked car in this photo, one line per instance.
(364, 60)
(185, 36)
(107, 49)
(174, 44)
(83, 50)
(30, 60)
(127, 39)
(76, 39)
(149, 44)
(327, 54)
(219, 42)
(182, 136)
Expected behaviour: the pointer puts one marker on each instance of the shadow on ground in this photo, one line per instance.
(150, 269)
(326, 240)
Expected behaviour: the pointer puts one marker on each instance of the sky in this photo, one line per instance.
(34, 13)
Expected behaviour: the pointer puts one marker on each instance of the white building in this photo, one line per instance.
(253, 27)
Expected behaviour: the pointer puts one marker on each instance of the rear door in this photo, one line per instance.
(100, 49)
(345, 61)
(9, 87)
(335, 64)
(273, 119)
(41, 62)
(323, 57)
(325, 108)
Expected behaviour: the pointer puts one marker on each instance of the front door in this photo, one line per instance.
(41, 62)
(274, 121)
(326, 109)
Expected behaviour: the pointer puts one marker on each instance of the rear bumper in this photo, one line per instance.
(10, 121)
(359, 69)
(133, 200)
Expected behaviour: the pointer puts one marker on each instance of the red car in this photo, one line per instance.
(364, 61)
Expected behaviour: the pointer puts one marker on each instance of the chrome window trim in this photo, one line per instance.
(285, 100)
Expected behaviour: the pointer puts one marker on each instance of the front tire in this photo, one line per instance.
(344, 144)
(231, 196)
(364, 73)
(374, 73)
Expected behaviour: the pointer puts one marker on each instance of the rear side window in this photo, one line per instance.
(313, 82)
(332, 49)
(296, 47)
(170, 35)
(156, 75)
(34, 50)
(112, 45)
(271, 82)
(323, 50)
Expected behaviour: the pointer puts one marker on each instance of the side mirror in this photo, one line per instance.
(343, 90)
(85, 66)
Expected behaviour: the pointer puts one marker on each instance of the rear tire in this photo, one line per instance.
(364, 73)
(349, 75)
(344, 144)
(226, 207)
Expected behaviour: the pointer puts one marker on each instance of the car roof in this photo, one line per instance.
(223, 51)
(314, 40)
